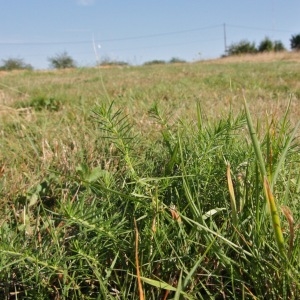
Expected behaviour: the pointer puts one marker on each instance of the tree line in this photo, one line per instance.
(266, 45)
(64, 60)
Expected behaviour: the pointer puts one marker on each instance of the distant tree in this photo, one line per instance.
(15, 64)
(154, 62)
(278, 46)
(175, 60)
(62, 61)
(266, 45)
(112, 63)
(106, 61)
(241, 47)
(295, 42)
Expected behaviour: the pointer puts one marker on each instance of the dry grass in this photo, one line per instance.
(260, 57)
(267, 81)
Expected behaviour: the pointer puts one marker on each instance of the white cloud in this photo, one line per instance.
(85, 2)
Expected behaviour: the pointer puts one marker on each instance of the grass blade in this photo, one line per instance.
(179, 288)
(255, 142)
(283, 155)
(275, 217)
(232, 196)
(140, 286)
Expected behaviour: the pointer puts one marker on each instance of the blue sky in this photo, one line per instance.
(138, 31)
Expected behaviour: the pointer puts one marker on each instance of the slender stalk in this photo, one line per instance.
(232, 196)
(138, 274)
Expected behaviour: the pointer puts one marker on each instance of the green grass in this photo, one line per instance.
(159, 181)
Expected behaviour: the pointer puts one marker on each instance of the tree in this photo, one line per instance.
(242, 47)
(62, 61)
(278, 46)
(15, 64)
(295, 42)
(107, 61)
(175, 60)
(266, 45)
(155, 62)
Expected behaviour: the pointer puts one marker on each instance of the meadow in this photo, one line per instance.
(176, 181)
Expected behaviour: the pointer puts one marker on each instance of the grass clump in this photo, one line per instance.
(41, 102)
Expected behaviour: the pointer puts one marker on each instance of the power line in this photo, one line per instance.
(42, 43)
(168, 45)
(146, 47)
(162, 34)
(140, 37)
(258, 28)
(112, 39)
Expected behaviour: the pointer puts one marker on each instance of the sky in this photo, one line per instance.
(135, 32)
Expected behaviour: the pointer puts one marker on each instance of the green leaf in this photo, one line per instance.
(212, 212)
(94, 174)
(33, 199)
(163, 285)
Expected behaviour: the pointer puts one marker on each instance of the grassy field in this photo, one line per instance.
(177, 181)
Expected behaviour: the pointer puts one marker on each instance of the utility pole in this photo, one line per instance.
(225, 43)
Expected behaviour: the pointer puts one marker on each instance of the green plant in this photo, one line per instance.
(41, 102)
(266, 45)
(295, 42)
(155, 62)
(62, 61)
(242, 47)
(109, 62)
(175, 60)
(278, 46)
(15, 64)
(117, 128)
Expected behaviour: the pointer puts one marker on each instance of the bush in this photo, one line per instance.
(154, 62)
(266, 45)
(278, 46)
(15, 64)
(175, 60)
(109, 62)
(295, 42)
(242, 47)
(41, 102)
(62, 61)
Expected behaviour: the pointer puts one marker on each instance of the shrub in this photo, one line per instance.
(266, 45)
(295, 42)
(278, 46)
(48, 103)
(62, 61)
(242, 47)
(15, 64)
(154, 62)
(41, 102)
(109, 62)
(175, 60)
